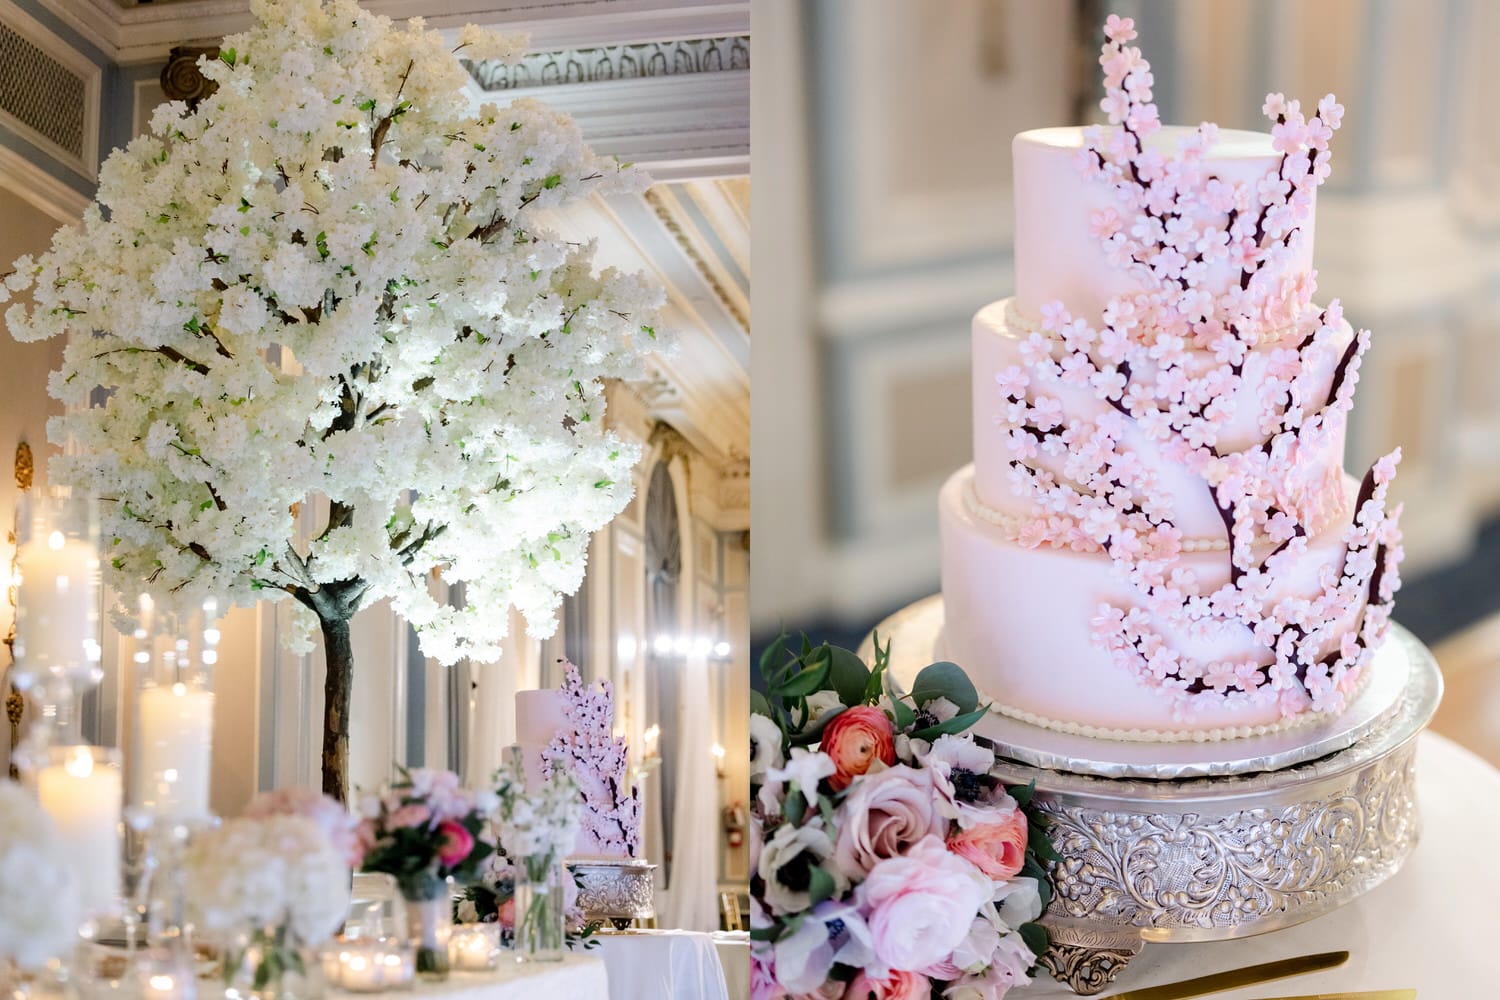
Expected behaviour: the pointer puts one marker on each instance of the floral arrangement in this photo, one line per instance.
(599, 762)
(538, 828)
(331, 278)
(34, 869)
(886, 861)
(339, 825)
(424, 830)
(278, 876)
(493, 900)
(1218, 322)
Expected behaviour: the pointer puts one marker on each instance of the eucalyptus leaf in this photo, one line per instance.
(794, 808)
(772, 658)
(905, 717)
(759, 705)
(1035, 936)
(1023, 793)
(809, 680)
(820, 886)
(848, 674)
(814, 733)
(945, 680)
(770, 933)
(952, 727)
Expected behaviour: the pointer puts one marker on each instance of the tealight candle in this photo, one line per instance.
(81, 791)
(474, 947)
(370, 966)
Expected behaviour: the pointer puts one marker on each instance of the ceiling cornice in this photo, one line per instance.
(147, 32)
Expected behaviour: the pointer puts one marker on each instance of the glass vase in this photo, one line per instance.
(429, 921)
(540, 909)
(270, 963)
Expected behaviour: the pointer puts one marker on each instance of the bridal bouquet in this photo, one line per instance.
(886, 862)
(41, 918)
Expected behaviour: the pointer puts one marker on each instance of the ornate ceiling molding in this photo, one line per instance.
(615, 62)
(135, 32)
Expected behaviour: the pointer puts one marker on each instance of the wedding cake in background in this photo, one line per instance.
(573, 728)
(1156, 539)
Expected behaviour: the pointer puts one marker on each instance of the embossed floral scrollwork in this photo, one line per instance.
(1191, 870)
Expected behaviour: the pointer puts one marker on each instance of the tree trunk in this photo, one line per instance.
(338, 655)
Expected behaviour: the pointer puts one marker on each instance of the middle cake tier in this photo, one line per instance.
(1312, 485)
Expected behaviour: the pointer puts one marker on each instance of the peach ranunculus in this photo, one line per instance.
(996, 846)
(895, 986)
(856, 739)
(883, 816)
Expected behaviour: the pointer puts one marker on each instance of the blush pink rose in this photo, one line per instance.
(506, 914)
(996, 847)
(856, 739)
(883, 816)
(895, 986)
(408, 816)
(456, 843)
(921, 904)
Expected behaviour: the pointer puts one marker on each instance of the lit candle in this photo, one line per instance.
(177, 724)
(56, 604)
(81, 791)
(718, 752)
(371, 966)
(474, 947)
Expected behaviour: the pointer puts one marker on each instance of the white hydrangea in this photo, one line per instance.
(275, 870)
(41, 918)
(329, 280)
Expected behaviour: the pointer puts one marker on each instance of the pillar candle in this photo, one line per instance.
(56, 603)
(81, 791)
(176, 751)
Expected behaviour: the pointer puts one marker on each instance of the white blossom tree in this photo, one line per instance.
(326, 280)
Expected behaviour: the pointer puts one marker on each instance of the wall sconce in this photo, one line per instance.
(718, 752)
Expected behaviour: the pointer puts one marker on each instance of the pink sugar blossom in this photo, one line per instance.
(1119, 29)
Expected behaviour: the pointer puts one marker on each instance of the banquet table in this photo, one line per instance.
(578, 975)
(1432, 926)
(665, 965)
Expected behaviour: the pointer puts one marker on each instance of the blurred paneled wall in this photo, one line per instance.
(885, 135)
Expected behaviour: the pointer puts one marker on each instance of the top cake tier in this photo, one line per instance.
(1057, 255)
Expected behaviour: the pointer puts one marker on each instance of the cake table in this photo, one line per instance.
(1173, 858)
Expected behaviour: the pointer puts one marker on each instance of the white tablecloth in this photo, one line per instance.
(663, 965)
(734, 955)
(580, 976)
(1432, 926)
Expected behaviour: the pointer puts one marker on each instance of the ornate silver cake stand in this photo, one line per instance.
(617, 891)
(1205, 858)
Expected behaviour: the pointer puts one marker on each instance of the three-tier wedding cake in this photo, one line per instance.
(1156, 539)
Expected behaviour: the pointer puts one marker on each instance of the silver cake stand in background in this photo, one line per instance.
(1176, 842)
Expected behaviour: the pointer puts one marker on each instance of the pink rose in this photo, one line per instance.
(408, 816)
(342, 828)
(883, 816)
(921, 904)
(455, 845)
(506, 914)
(856, 739)
(895, 986)
(996, 846)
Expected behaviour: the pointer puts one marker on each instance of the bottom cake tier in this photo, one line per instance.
(1018, 621)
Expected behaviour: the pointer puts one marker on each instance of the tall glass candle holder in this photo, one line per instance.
(175, 716)
(57, 651)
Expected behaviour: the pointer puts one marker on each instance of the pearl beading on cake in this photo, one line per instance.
(1215, 735)
(1010, 525)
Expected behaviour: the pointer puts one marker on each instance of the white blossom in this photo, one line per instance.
(330, 283)
(41, 920)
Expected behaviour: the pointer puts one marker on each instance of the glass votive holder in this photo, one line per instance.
(474, 947)
(369, 965)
